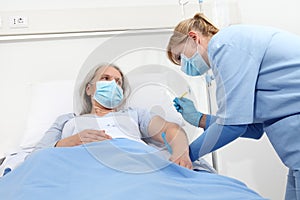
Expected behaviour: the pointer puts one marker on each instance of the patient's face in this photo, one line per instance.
(109, 74)
(105, 74)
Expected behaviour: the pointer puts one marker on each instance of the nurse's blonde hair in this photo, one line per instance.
(198, 23)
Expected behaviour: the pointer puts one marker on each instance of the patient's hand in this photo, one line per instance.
(83, 137)
(182, 160)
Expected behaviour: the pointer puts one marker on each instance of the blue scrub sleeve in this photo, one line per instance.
(210, 119)
(214, 137)
(254, 131)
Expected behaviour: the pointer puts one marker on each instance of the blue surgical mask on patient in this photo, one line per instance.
(108, 93)
(194, 66)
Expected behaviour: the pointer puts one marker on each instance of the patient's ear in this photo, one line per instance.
(88, 89)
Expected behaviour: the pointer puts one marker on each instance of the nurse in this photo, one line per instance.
(257, 72)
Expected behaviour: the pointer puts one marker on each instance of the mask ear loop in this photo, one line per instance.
(185, 44)
(197, 47)
(184, 48)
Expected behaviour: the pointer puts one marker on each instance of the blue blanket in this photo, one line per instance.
(116, 169)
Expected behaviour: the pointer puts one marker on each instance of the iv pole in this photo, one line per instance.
(208, 78)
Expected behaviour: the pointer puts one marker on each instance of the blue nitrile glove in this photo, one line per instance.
(188, 111)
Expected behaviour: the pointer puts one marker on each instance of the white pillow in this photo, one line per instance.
(49, 100)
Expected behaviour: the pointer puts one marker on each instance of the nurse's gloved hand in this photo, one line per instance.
(188, 111)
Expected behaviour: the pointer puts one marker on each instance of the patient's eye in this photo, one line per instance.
(119, 81)
(105, 78)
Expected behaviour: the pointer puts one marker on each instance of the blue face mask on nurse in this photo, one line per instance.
(192, 57)
(194, 66)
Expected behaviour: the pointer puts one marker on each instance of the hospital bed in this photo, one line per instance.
(117, 169)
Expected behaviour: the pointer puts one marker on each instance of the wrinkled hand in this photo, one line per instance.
(182, 160)
(188, 111)
(83, 137)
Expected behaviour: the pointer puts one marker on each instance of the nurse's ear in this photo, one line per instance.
(194, 35)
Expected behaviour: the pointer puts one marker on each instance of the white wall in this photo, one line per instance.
(27, 62)
(24, 61)
(57, 4)
(281, 14)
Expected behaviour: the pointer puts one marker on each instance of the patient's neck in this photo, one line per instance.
(101, 111)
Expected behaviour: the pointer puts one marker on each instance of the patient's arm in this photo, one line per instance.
(175, 136)
(53, 134)
(83, 137)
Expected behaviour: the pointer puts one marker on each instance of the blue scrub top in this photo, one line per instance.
(257, 71)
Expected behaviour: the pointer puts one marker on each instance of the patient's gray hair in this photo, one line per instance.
(86, 103)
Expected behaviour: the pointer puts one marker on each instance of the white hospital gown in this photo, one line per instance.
(129, 123)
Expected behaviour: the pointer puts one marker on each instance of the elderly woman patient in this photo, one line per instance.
(102, 96)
